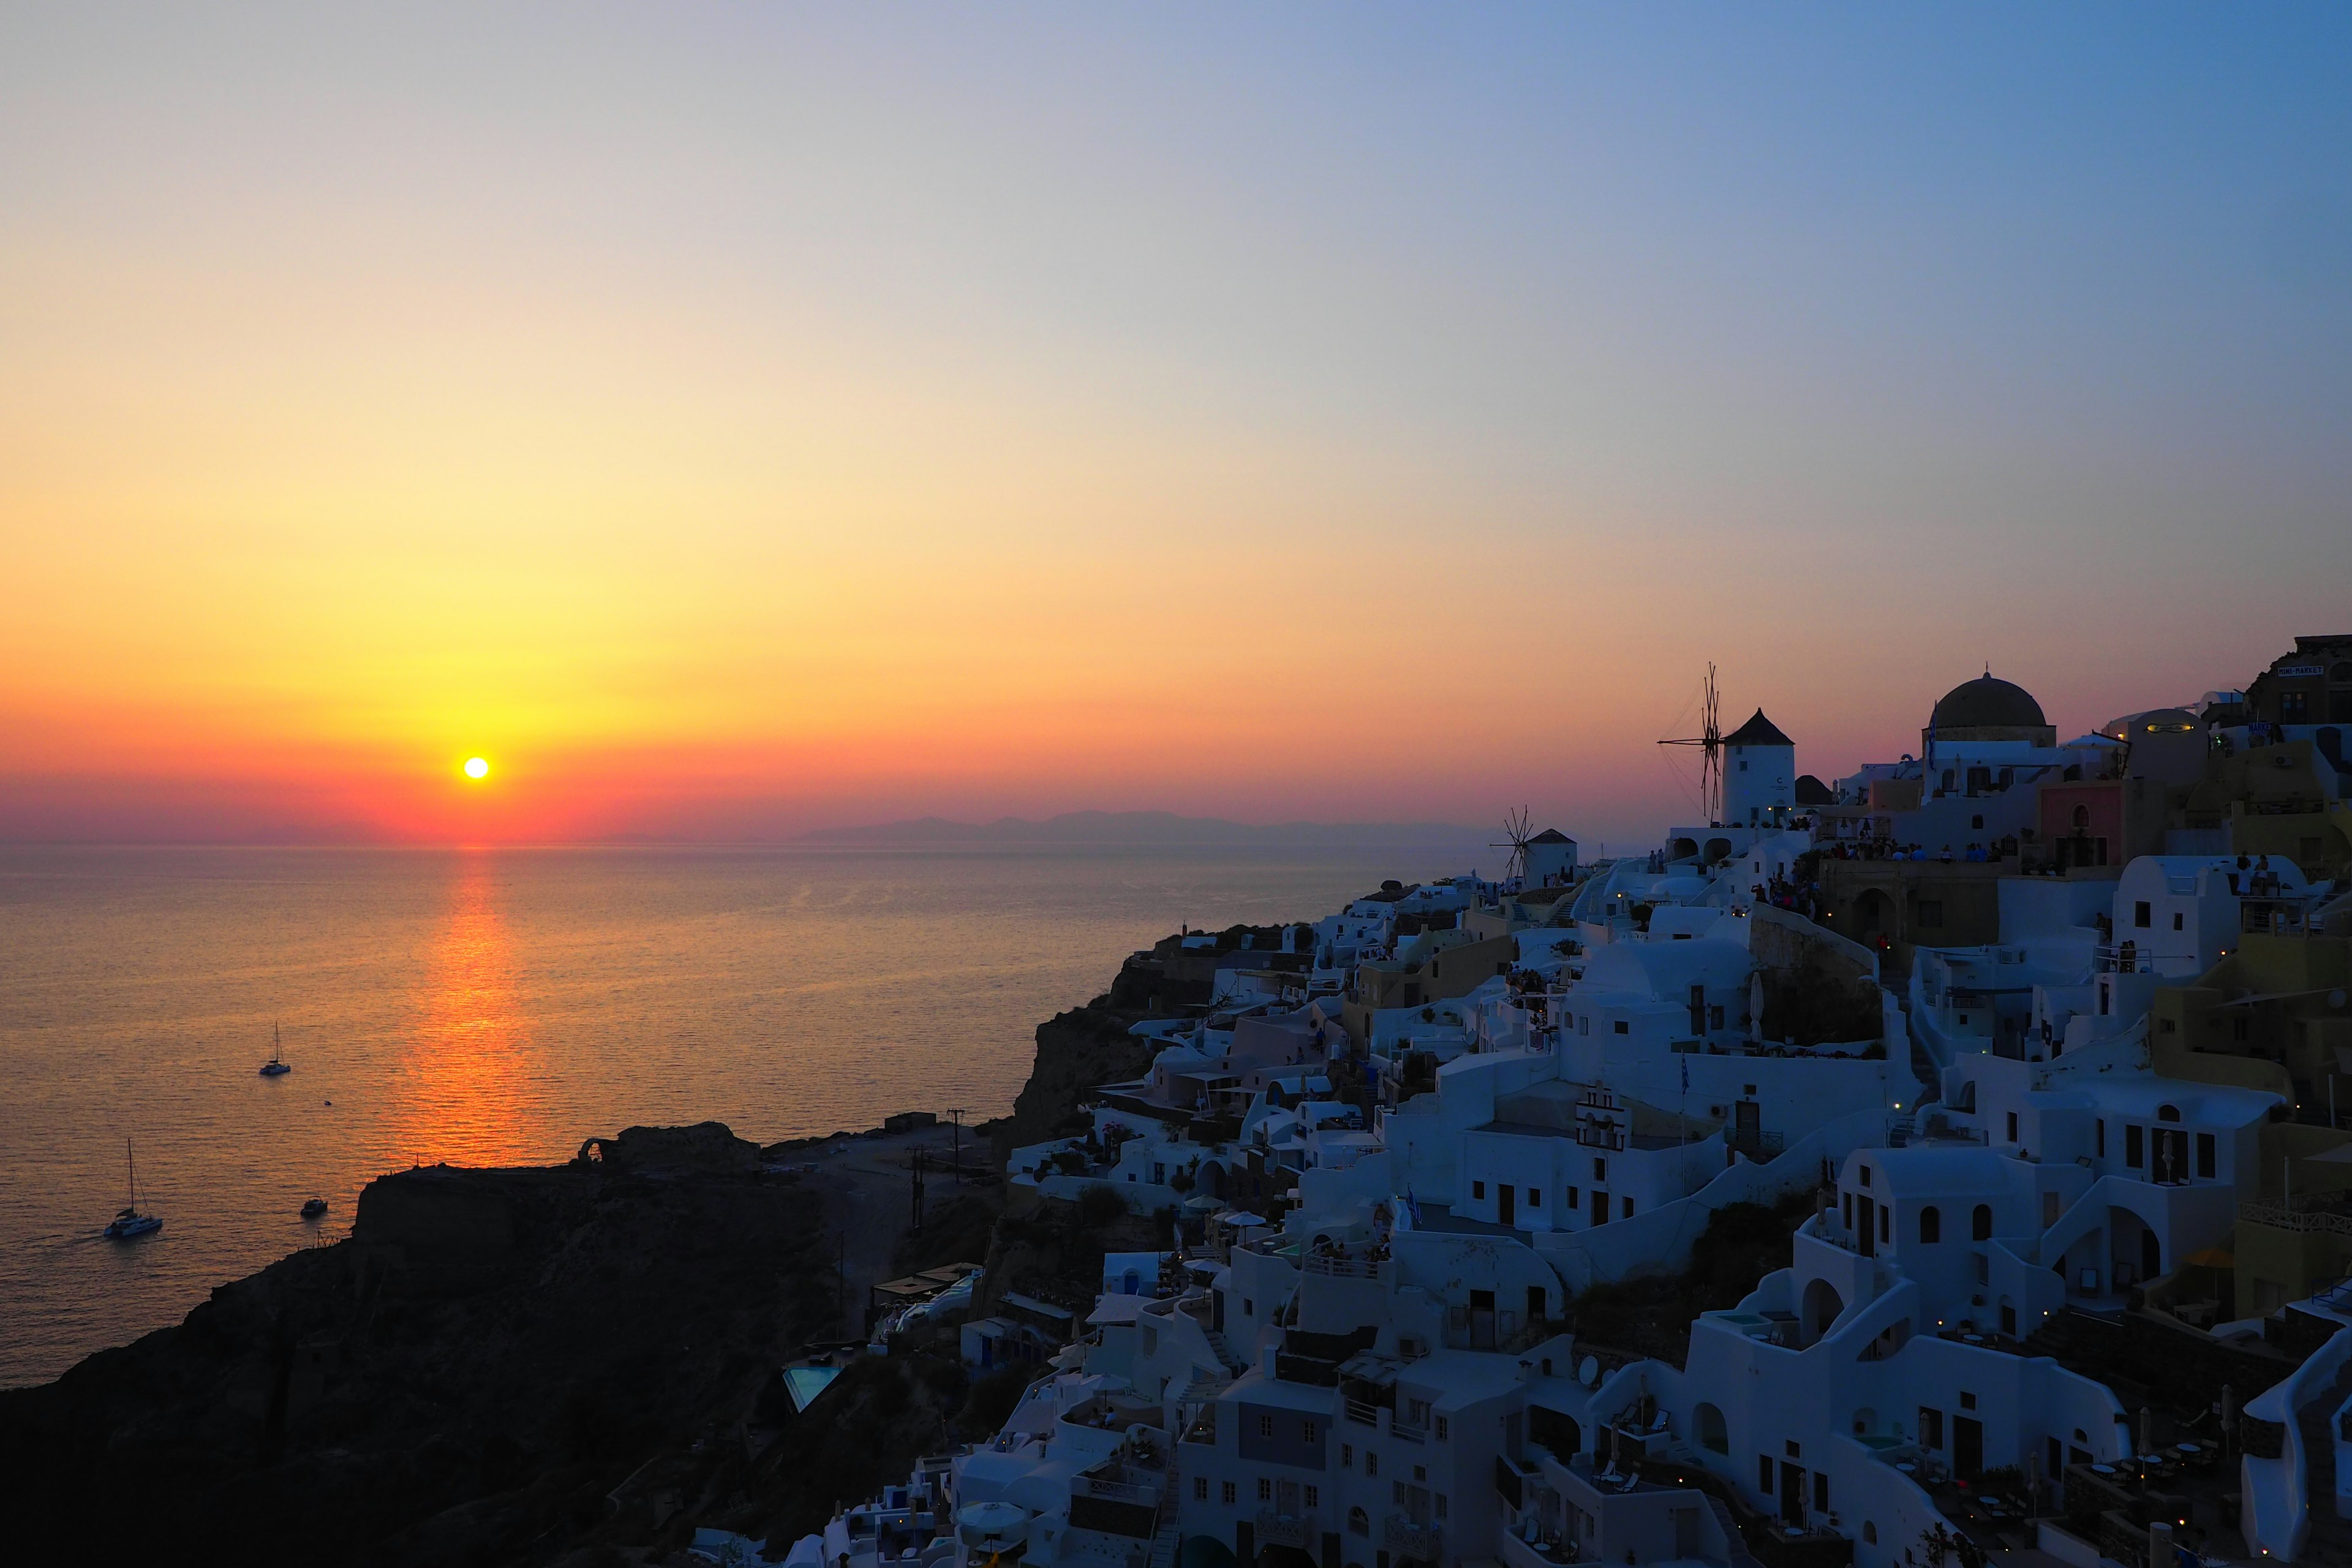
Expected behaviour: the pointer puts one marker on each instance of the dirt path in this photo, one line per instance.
(866, 1183)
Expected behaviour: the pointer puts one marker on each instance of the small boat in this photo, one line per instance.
(130, 1222)
(314, 1208)
(274, 1068)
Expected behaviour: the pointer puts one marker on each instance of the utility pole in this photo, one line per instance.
(918, 1222)
(955, 1120)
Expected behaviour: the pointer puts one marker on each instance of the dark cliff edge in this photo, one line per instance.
(574, 1365)
(466, 1379)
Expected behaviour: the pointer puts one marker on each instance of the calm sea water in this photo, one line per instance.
(499, 1007)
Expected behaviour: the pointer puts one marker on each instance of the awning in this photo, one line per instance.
(2213, 1257)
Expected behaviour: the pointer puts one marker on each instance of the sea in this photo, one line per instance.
(500, 1007)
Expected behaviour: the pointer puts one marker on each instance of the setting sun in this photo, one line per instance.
(477, 768)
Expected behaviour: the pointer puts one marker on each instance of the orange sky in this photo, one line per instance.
(735, 435)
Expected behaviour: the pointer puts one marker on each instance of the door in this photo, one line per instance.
(1686, 1533)
(1865, 1226)
(1745, 1122)
(1968, 1447)
(1599, 1206)
(1508, 1203)
(1286, 1495)
(1792, 1492)
(1482, 1320)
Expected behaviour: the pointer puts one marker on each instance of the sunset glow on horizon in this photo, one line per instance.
(729, 423)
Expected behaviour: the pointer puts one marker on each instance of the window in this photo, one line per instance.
(2099, 1136)
(1200, 1488)
(1794, 1452)
(1226, 1493)
(2176, 919)
(1968, 1402)
(1441, 1428)
(2132, 1147)
(1346, 1456)
(1307, 1431)
(2142, 915)
(1977, 822)
(2081, 817)
(1715, 1016)
(1821, 1492)
(1627, 1211)
(1864, 1171)
(1764, 1474)
(2205, 1155)
(1264, 1490)
(1711, 1434)
(1265, 1425)
(1621, 1026)
(1359, 1523)
(1931, 1224)
(1534, 1197)
(1869, 1534)
(1600, 1170)
(1372, 1463)
(1981, 1223)
(1249, 1308)
(1849, 1209)
(1439, 1500)
(1477, 1189)
(1575, 1197)
(1885, 1222)
(1396, 1493)
(2012, 1126)
(2168, 1113)
(1931, 1427)
(1314, 1497)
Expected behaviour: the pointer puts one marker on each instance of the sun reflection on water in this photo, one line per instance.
(471, 1073)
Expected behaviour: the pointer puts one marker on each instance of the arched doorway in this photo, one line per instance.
(1823, 1305)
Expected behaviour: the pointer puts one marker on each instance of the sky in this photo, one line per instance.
(730, 420)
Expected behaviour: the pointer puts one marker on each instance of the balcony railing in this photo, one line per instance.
(1401, 1536)
(1754, 1141)
(2302, 1221)
(1281, 1529)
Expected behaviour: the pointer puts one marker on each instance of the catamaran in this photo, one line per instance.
(130, 1222)
(274, 1068)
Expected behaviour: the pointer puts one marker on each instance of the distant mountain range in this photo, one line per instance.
(1140, 827)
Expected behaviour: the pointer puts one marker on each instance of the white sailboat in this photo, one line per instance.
(274, 1067)
(130, 1222)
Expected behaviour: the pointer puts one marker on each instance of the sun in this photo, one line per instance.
(478, 767)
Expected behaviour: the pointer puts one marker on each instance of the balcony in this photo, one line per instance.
(1400, 1536)
(1281, 1529)
(1754, 1141)
(2304, 1218)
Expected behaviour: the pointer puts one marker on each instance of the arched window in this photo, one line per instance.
(2168, 1113)
(1869, 1534)
(1981, 1223)
(1358, 1524)
(1711, 1434)
(2082, 816)
(1931, 1224)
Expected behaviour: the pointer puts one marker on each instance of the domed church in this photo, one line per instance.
(1988, 709)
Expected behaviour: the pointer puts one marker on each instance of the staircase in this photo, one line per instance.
(1165, 1541)
(2330, 1539)
(1231, 1362)
(1738, 1555)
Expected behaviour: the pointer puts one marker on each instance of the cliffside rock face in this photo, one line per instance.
(464, 1381)
(1078, 1051)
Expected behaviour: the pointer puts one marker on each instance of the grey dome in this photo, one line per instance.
(1988, 703)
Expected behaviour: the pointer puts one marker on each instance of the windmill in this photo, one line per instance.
(1515, 826)
(1709, 740)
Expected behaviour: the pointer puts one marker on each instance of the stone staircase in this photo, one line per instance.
(1739, 1557)
(1166, 1540)
(2330, 1539)
(1231, 1361)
